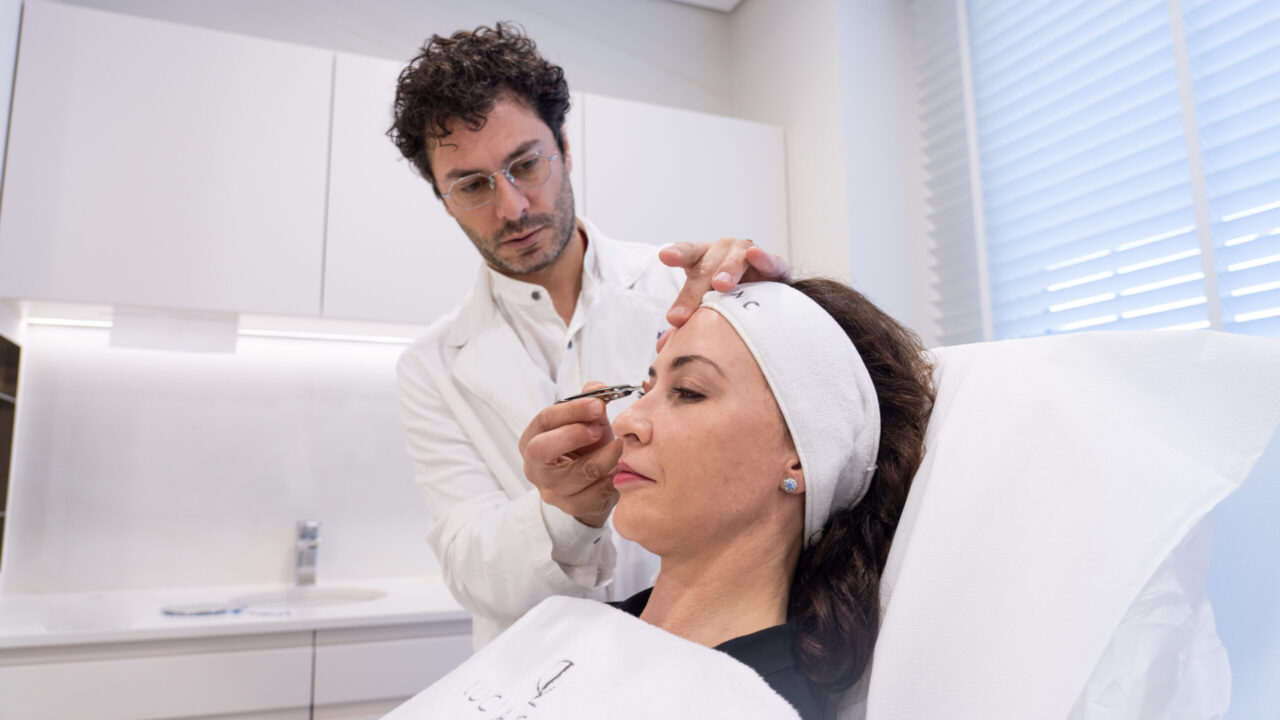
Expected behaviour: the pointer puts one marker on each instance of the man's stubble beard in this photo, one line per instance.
(561, 225)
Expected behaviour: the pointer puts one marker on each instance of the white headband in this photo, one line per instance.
(822, 387)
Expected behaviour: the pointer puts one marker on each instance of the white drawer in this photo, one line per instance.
(358, 666)
(267, 675)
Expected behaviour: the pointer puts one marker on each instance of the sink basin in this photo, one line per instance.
(307, 596)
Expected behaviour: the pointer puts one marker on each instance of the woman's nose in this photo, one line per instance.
(632, 424)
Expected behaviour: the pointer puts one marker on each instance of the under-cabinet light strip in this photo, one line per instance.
(284, 334)
(345, 337)
(60, 322)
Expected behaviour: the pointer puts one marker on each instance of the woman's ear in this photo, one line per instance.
(793, 481)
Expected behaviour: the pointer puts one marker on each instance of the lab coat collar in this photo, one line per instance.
(616, 265)
(511, 291)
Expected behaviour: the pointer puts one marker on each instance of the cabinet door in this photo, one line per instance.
(266, 676)
(157, 164)
(392, 252)
(367, 672)
(661, 175)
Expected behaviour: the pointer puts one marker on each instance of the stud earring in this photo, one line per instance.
(790, 486)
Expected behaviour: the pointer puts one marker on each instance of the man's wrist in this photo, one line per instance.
(572, 541)
(592, 521)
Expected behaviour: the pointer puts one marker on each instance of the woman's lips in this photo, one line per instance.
(626, 476)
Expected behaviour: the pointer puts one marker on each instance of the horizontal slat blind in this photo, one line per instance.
(1086, 185)
(1089, 210)
(1233, 49)
(948, 191)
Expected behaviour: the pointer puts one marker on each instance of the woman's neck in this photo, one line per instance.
(712, 598)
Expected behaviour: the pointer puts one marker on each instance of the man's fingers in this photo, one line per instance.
(582, 410)
(716, 266)
(756, 264)
(766, 266)
(601, 462)
(581, 474)
(732, 266)
(550, 447)
(699, 260)
(599, 496)
(681, 254)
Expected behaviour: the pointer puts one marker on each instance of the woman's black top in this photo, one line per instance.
(768, 652)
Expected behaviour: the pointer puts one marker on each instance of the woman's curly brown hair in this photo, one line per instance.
(460, 78)
(835, 594)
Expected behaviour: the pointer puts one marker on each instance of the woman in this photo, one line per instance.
(767, 465)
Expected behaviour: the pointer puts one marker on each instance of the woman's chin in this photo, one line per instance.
(623, 523)
(630, 524)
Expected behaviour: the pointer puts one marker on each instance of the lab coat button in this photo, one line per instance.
(536, 295)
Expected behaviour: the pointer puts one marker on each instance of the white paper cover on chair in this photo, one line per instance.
(1059, 474)
(574, 659)
(1165, 659)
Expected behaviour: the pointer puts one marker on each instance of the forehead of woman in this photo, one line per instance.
(708, 340)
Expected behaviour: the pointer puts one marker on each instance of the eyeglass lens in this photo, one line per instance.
(475, 190)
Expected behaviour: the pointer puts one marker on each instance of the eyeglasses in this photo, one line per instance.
(473, 191)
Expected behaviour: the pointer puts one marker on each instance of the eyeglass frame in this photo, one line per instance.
(506, 172)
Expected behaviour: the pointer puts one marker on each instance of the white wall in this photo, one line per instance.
(650, 50)
(10, 18)
(145, 468)
(786, 73)
(883, 161)
(11, 320)
(837, 77)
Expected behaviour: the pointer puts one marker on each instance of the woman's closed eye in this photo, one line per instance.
(682, 393)
(687, 394)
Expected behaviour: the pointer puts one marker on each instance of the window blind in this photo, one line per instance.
(1118, 150)
(957, 285)
(1089, 211)
(1233, 49)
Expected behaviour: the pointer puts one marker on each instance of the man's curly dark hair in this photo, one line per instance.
(459, 78)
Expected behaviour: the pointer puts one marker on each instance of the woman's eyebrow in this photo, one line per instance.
(683, 360)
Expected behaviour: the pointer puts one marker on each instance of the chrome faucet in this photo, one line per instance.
(304, 566)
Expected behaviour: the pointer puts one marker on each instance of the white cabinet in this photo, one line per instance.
(338, 674)
(367, 672)
(392, 253)
(160, 165)
(263, 676)
(156, 164)
(661, 175)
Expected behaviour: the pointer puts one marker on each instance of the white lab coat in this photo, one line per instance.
(469, 388)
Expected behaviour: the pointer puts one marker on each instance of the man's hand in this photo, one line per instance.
(717, 266)
(570, 455)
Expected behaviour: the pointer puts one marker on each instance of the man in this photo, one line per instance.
(520, 489)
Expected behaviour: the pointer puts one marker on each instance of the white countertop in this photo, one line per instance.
(49, 620)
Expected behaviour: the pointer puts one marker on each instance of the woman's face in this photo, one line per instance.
(705, 450)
